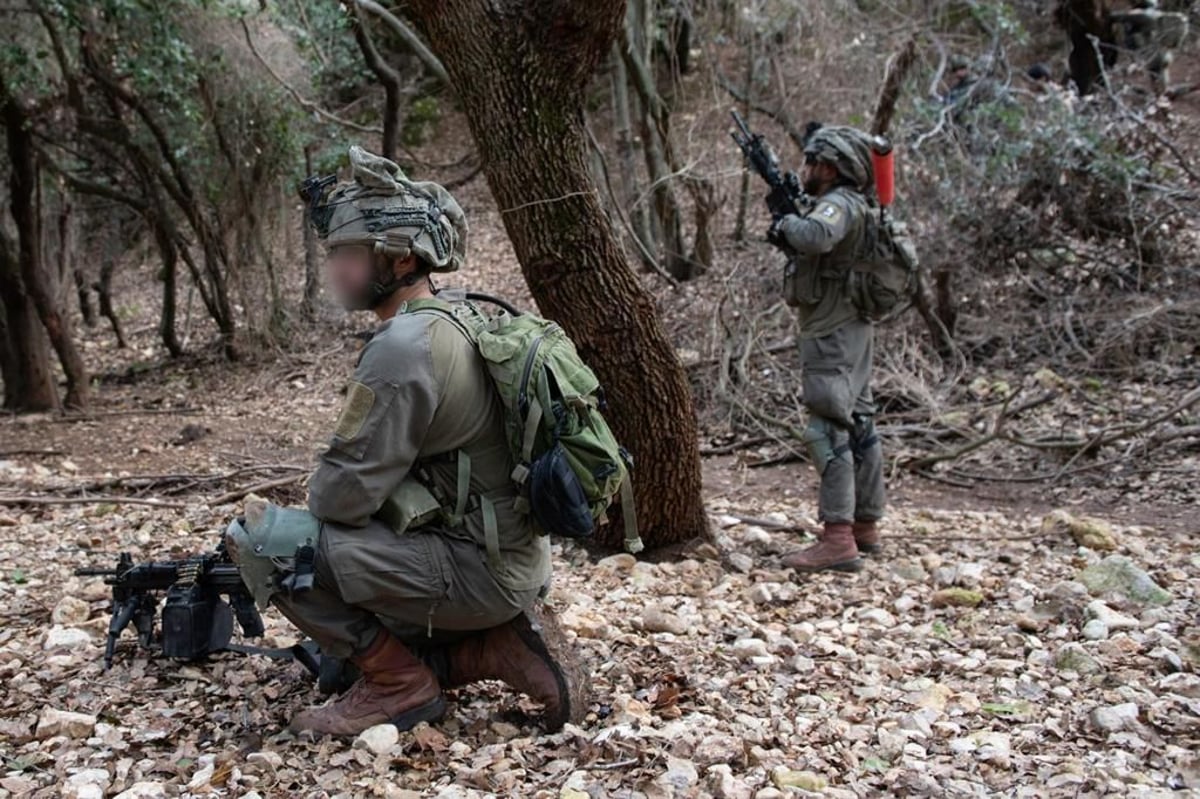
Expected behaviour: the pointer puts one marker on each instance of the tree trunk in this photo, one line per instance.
(1093, 42)
(170, 269)
(26, 213)
(669, 230)
(312, 282)
(638, 218)
(520, 70)
(104, 298)
(739, 225)
(24, 357)
(388, 78)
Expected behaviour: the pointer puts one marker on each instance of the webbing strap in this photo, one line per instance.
(532, 421)
(633, 541)
(491, 535)
(464, 487)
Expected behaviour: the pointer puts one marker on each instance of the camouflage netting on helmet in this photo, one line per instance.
(383, 209)
(848, 150)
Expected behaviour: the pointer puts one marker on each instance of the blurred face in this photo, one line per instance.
(351, 271)
(817, 176)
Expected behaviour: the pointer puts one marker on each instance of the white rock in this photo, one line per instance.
(90, 783)
(741, 562)
(1115, 718)
(803, 665)
(621, 562)
(271, 760)
(760, 594)
(718, 748)
(54, 722)
(657, 620)
(86, 791)
(70, 610)
(917, 724)
(59, 637)
(904, 604)
(378, 739)
(1095, 630)
(1187, 685)
(961, 746)
(724, 785)
(746, 648)
(994, 747)
(680, 774)
(878, 617)
(143, 790)
(756, 537)
(204, 774)
(1099, 611)
(969, 574)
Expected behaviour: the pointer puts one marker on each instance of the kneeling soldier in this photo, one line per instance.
(411, 561)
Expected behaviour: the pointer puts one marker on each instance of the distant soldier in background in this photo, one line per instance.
(1152, 35)
(959, 80)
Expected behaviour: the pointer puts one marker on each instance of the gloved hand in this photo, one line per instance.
(775, 233)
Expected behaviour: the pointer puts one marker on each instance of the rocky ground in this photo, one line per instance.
(987, 653)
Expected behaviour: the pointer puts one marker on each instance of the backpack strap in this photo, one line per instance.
(443, 309)
(633, 541)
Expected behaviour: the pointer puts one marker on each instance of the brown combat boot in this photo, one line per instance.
(866, 536)
(531, 654)
(835, 551)
(394, 687)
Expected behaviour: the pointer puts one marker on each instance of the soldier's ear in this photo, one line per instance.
(405, 265)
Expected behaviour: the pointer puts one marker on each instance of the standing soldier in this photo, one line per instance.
(836, 345)
(1152, 35)
(385, 568)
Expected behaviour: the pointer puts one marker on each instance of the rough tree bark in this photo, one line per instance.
(26, 214)
(24, 357)
(520, 70)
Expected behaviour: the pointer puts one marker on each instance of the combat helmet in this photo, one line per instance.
(382, 209)
(847, 149)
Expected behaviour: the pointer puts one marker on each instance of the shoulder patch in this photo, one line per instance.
(359, 401)
(828, 211)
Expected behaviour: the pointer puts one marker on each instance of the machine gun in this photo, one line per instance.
(196, 621)
(786, 196)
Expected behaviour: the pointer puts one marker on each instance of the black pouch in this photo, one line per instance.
(556, 496)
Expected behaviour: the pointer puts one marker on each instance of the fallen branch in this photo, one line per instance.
(147, 481)
(768, 524)
(232, 496)
(157, 503)
(8, 453)
(735, 446)
(921, 465)
(93, 415)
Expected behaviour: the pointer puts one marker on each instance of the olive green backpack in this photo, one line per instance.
(569, 466)
(883, 280)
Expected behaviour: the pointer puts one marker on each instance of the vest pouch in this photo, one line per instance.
(410, 506)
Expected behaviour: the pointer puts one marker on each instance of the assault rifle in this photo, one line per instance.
(786, 196)
(196, 621)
